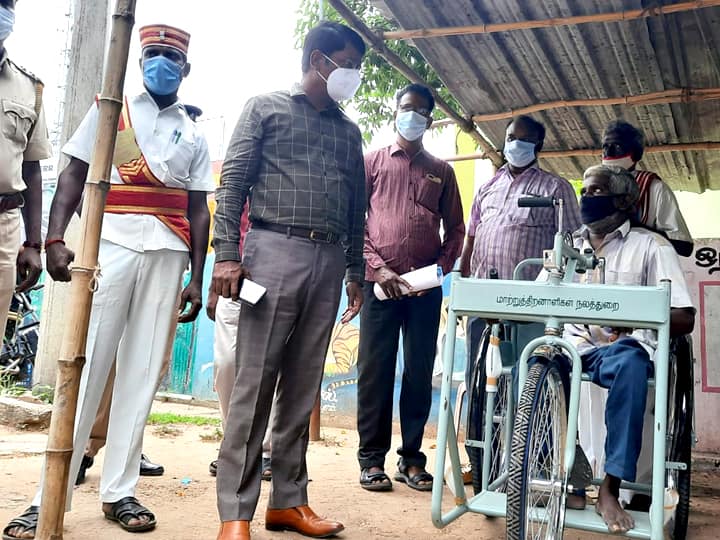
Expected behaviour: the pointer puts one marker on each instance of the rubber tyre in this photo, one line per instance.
(680, 427)
(542, 377)
(475, 428)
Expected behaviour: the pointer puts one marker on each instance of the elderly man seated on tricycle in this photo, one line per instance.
(620, 359)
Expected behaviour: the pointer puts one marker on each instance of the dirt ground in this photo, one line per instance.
(188, 512)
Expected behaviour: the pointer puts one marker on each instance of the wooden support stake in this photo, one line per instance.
(315, 420)
(84, 281)
(619, 16)
(376, 42)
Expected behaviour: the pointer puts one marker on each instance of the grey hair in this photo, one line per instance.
(621, 181)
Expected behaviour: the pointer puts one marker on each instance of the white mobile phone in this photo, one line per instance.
(251, 293)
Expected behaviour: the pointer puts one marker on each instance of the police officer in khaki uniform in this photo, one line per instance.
(23, 143)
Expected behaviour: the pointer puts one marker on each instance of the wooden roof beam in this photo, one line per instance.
(593, 152)
(663, 97)
(619, 16)
(376, 42)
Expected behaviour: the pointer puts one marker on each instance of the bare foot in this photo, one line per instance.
(608, 506)
(21, 532)
(575, 501)
(132, 522)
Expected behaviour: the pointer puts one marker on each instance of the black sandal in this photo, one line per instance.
(414, 482)
(130, 508)
(28, 520)
(375, 481)
(266, 470)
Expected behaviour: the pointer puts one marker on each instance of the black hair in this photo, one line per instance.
(9, 4)
(419, 89)
(533, 126)
(631, 137)
(329, 37)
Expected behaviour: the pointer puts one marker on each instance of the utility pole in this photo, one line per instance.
(84, 77)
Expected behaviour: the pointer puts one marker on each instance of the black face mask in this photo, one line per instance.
(593, 209)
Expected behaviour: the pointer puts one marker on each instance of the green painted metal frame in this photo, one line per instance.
(555, 303)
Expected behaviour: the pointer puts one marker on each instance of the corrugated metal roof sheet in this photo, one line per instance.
(496, 72)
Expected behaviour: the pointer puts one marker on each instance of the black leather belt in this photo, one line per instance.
(11, 201)
(300, 232)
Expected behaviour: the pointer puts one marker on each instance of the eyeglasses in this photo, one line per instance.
(347, 64)
(614, 150)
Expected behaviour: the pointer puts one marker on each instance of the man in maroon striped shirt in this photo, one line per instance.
(409, 193)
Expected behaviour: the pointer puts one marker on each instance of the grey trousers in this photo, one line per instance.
(282, 340)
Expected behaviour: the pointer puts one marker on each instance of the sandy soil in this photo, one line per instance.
(188, 512)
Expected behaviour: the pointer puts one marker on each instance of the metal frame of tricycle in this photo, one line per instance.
(554, 303)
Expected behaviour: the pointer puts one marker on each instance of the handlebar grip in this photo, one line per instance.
(536, 202)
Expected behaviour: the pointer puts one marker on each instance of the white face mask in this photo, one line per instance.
(410, 125)
(7, 21)
(625, 162)
(342, 83)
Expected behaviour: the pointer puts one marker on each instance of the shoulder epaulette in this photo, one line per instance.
(30, 74)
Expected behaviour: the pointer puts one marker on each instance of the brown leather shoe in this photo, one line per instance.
(234, 530)
(303, 520)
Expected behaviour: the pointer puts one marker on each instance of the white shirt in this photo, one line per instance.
(664, 212)
(183, 164)
(633, 256)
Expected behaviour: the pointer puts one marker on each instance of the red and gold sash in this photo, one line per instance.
(644, 179)
(142, 192)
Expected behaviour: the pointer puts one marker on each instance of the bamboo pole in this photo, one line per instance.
(315, 420)
(675, 95)
(376, 42)
(677, 147)
(84, 280)
(618, 16)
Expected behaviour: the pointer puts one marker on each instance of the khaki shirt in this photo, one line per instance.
(18, 121)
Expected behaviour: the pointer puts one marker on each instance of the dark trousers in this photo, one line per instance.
(623, 368)
(380, 325)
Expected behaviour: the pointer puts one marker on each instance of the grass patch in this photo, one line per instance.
(215, 435)
(164, 419)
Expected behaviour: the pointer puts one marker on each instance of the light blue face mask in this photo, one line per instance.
(7, 22)
(161, 75)
(519, 153)
(410, 125)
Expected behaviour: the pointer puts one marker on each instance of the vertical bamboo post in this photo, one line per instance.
(84, 280)
(315, 420)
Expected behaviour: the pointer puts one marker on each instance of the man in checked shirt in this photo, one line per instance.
(299, 159)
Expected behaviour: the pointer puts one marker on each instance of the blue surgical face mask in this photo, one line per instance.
(161, 75)
(519, 153)
(7, 22)
(410, 125)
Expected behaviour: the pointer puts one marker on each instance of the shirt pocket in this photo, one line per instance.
(16, 121)
(428, 190)
(615, 277)
(178, 159)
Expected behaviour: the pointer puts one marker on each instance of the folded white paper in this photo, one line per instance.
(251, 292)
(420, 280)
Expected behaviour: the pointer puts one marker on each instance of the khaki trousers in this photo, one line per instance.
(9, 248)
